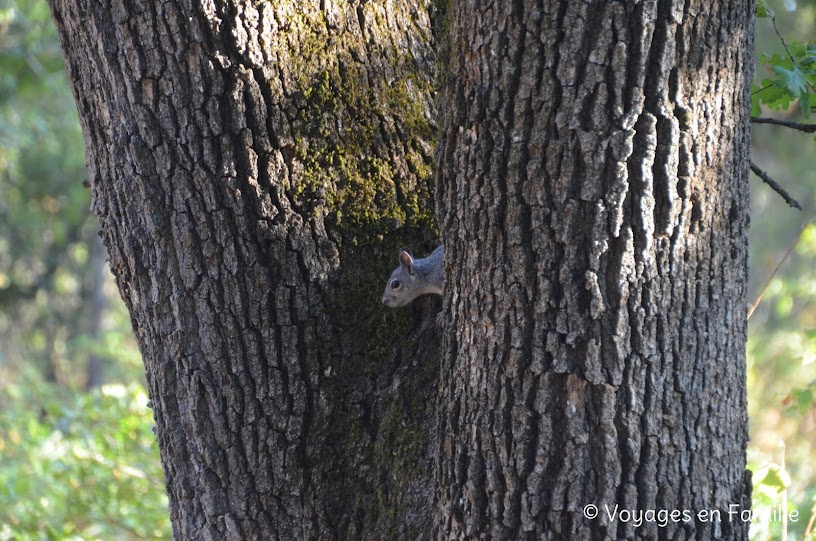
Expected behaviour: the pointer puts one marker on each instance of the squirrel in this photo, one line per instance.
(415, 277)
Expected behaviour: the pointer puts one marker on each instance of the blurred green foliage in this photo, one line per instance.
(47, 235)
(73, 464)
(782, 331)
(79, 465)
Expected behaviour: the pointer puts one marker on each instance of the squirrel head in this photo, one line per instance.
(404, 285)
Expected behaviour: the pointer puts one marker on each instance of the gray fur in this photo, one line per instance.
(415, 277)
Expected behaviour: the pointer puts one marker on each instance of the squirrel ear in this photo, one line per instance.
(405, 258)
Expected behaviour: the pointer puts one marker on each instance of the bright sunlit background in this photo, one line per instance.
(78, 459)
(77, 455)
(782, 330)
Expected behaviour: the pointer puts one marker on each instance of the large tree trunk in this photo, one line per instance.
(254, 168)
(593, 200)
(250, 164)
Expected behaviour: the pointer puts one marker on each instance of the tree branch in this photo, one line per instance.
(778, 266)
(758, 90)
(775, 186)
(807, 128)
(782, 39)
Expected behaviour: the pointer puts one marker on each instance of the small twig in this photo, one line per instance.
(810, 523)
(758, 90)
(36, 66)
(775, 186)
(784, 43)
(784, 499)
(778, 266)
(807, 128)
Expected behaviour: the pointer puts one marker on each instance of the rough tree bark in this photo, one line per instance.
(254, 165)
(254, 168)
(593, 196)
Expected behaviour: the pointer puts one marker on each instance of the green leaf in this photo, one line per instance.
(804, 104)
(804, 398)
(809, 54)
(774, 95)
(762, 10)
(793, 80)
(770, 61)
(775, 477)
(755, 99)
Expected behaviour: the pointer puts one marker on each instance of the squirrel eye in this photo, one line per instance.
(395, 284)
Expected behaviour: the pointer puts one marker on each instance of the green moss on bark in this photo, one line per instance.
(360, 119)
(363, 144)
